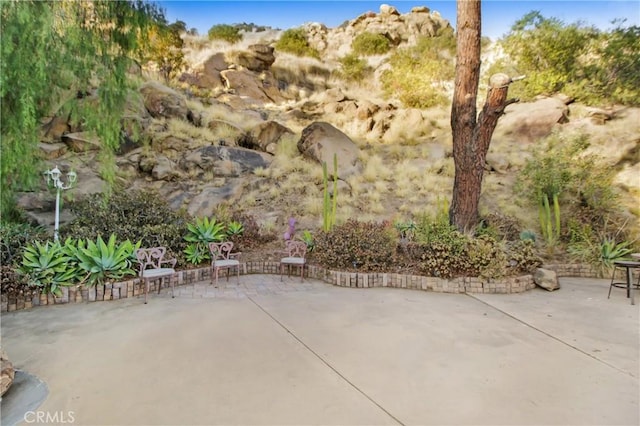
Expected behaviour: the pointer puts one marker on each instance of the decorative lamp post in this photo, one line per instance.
(54, 179)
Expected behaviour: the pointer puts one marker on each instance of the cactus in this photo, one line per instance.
(550, 225)
(329, 206)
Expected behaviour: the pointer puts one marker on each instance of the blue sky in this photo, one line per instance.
(497, 16)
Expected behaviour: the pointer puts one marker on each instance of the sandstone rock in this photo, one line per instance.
(208, 76)
(163, 169)
(546, 279)
(82, 142)
(528, 122)
(225, 161)
(205, 202)
(51, 151)
(320, 141)
(248, 84)
(385, 9)
(7, 372)
(162, 101)
(497, 163)
(265, 136)
(258, 58)
(54, 129)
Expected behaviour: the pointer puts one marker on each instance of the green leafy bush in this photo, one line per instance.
(437, 259)
(578, 184)
(225, 32)
(367, 246)
(353, 68)
(368, 44)
(132, 215)
(485, 257)
(599, 249)
(419, 74)
(252, 235)
(14, 237)
(295, 41)
(522, 256)
(581, 61)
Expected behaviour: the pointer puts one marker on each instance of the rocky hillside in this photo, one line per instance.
(248, 127)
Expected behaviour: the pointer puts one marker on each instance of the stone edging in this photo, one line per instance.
(134, 287)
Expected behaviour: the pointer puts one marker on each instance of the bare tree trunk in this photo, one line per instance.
(471, 138)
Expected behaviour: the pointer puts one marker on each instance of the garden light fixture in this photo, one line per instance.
(54, 180)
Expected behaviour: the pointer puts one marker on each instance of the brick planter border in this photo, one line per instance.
(134, 287)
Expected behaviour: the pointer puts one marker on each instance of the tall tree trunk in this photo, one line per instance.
(471, 138)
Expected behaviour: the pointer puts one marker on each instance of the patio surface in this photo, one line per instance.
(291, 353)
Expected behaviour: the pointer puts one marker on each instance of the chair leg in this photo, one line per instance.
(238, 269)
(173, 289)
(146, 290)
(613, 277)
(160, 281)
(301, 273)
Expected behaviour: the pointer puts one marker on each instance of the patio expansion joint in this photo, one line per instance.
(325, 362)
(553, 337)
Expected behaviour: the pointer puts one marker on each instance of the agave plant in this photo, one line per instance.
(234, 229)
(196, 253)
(205, 231)
(106, 261)
(47, 267)
(307, 237)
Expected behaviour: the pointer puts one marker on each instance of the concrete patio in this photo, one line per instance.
(266, 352)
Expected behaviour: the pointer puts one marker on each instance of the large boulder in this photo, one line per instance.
(546, 279)
(208, 75)
(320, 141)
(164, 102)
(261, 88)
(528, 122)
(258, 58)
(224, 161)
(266, 136)
(400, 29)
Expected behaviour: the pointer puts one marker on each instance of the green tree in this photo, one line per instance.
(49, 53)
(590, 65)
(295, 41)
(163, 46)
(228, 33)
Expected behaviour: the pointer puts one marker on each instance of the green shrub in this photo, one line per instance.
(560, 177)
(437, 259)
(367, 246)
(131, 215)
(368, 44)
(295, 41)
(224, 32)
(485, 258)
(252, 235)
(522, 256)
(599, 249)
(581, 61)
(419, 74)
(353, 68)
(14, 237)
